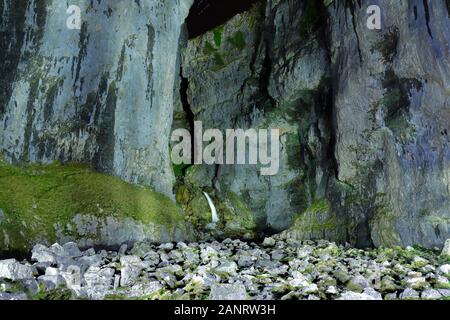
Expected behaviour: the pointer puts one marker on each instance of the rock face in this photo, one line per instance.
(47, 203)
(363, 114)
(102, 94)
(391, 103)
(258, 71)
(365, 150)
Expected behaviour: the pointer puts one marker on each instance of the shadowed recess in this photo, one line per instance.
(208, 14)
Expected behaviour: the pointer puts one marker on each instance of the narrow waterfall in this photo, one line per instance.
(215, 217)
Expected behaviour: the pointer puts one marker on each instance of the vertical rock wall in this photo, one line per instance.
(265, 68)
(391, 103)
(102, 94)
(364, 112)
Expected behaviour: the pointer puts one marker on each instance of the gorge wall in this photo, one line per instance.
(363, 113)
(102, 94)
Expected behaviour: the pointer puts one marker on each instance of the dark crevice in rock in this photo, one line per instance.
(149, 60)
(205, 15)
(190, 117)
(105, 137)
(327, 101)
(266, 39)
(40, 11)
(351, 6)
(427, 17)
(84, 40)
(11, 40)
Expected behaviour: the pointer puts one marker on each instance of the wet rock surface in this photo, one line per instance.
(283, 269)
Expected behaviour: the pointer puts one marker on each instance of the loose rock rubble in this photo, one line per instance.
(231, 269)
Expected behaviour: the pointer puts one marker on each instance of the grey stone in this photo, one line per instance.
(227, 267)
(51, 282)
(269, 242)
(409, 294)
(123, 249)
(373, 293)
(431, 294)
(99, 282)
(166, 246)
(72, 250)
(417, 283)
(445, 250)
(445, 269)
(350, 295)
(245, 261)
(91, 260)
(388, 284)
(13, 270)
(228, 292)
(130, 271)
(90, 252)
(31, 285)
(152, 257)
(358, 284)
(145, 289)
(42, 254)
(444, 292)
(277, 255)
(72, 276)
(390, 296)
(13, 296)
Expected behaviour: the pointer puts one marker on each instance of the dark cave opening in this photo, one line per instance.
(205, 15)
(190, 117)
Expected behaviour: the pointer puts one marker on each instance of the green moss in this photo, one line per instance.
(238, 40)
(58, 294)
(218, 35)
(318, 206)
(396, 102)
(209, 49)
(179, 170)
(383, 226)
(316, 219)
(239, 213)
(218, 59)
(36, 197)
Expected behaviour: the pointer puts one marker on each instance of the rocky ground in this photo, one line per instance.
(276, 269)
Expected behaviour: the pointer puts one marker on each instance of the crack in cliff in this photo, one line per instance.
(427, 17)
(190, 116)
(351, 6)
(266, 38)
(11, 42)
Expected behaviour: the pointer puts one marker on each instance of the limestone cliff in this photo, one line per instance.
(102, 94)
(363, 113)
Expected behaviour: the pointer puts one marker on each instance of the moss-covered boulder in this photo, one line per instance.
(49, 203)
(317, 222)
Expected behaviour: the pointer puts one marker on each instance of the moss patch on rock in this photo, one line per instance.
(316, 222)
(35, 198)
